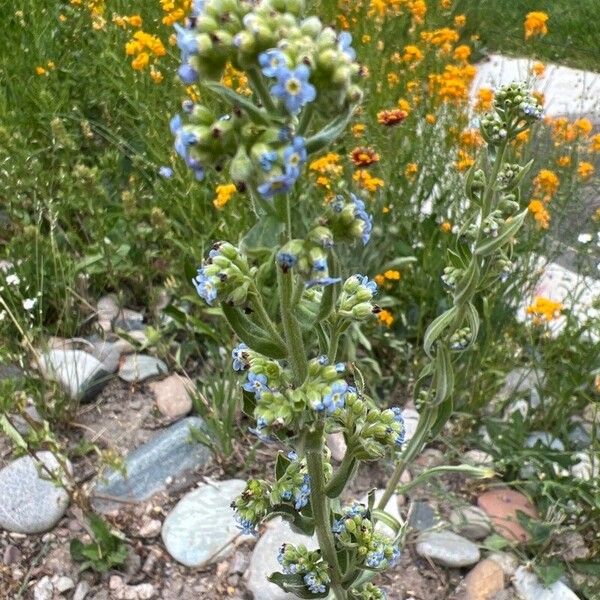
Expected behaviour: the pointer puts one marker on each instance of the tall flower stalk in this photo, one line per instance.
(285, 294)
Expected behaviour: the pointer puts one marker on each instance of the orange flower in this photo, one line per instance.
(585, 170)
(412, 54)
(411, 170)
(363, 156)
(563, 161)
(446, 227)
(386, 317)
(462, 53)
(431, 119)
(464, 161)
(392, 275)
(538, 68)
(540, 214)
(485, 98)
(535, 24)
(544, 309)
(460, 21)
(583, 127)
(595, 143)
(328, 164)
(140, 62)
(366, 181)
(224, 194)
(40, 71)
(379, 279)
(392, 117)
(471, 138)
(358, 129)
(546, 182)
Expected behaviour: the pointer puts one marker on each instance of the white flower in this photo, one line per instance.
(584, 238)
(13, 279)
(29, 303)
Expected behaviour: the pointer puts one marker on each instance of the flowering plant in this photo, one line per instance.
(283, 287)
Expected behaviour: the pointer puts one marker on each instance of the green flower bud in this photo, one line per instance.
(241, 168)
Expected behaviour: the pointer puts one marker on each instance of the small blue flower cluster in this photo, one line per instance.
(294, 156)
(300, 561)
(350, 220)
(334, 398)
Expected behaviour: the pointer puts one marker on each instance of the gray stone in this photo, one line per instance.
(337, 445)
(201, 528)
(107, 308)
(138, 367)
(63, 583)
(545, 439)
(30, 503)
(508, 562)
(447, 549)
(421, 516)
(587, 466)
(79, 373)
(264, 559)
(81, 591)
(108, 353)
(477, 458)
(411, 420)
(10, 372)
(168, 455)
(43, 589)
(579, 437)
(571, 546)
(521, 381)
(471, 521)
(530, 588)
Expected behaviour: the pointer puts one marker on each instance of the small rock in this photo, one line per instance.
(79, 373)
(107, 308)
(447, 549)
(523, 381)
(507, 561)
(43, 589)
(201, 528)
(591, 414)
(507, 594)
(391, 508)
(132, 564)
(547, 440)
(11, 555)
(477, 458)
(170, 453)
(30, 503)
(81, 591)
(240, 563)
(421, 516)
(586, 467)
(484, 581)
(337, 446)
(572, 546)
(143, 591)
(138, 367)
(579, 437)
(501, 506)
(10, 371)
(264, 559)
(149, 529)
(530, 588)
(173, 396)
(411, 420)
(62, 584)
(108, 353)
(471, 521)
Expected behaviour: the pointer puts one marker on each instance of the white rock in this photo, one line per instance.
(107, 308)
(138, 367)
(411, 420)
(150, 528)
(477, 458)
(337, 446)
(63, 583)
(447, 549)
(391, 508)
(507, 561)
(587, 467)
(530, 588)
(81, 591)
(43, 589)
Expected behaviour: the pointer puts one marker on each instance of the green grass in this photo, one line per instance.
(572, 37)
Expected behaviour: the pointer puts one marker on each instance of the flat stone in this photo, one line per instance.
(150, 528)
(43, 589)
(586, 466)
(447, 549)
(411, 420)
(62, 583)
(530, 588)
(28, 502)
(507, 561)
(107, 308)
(421, 516)
(471, 521)
(137, 367)
(264, 559)
(81, 591)
(80, 374)
(392, 508)
(337, 446)
(501, 507)
(108, 353)
(484, 581)
(201, 528)
(477, 458)
(169, 455)
(173, 396)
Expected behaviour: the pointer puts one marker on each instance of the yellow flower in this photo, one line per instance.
(224, 194)
(329, 164)
(392, 275)
(547, 183)
(140, 62)
(386, 317)
(460, 20)
(62, 18)
(446, 227)
(412, 54)
(583, 127)
(404, 105)
(440, 37)
(538, 68)
(135, 20)
(379, 279)
(595, 143)
(418, 9)
(535, 24)
(445, 3)
(193, 93)
(431, 119)
(470, 138)
(366, 181)
(393, 79)
(585, 170)
(366, 38)
(464, 161)
(40, 71)
(485, 97)
(544, 309)
(462, 53)
(563, 161)
(411, 170)
(156, 75)
(358, 129)
(540, 214)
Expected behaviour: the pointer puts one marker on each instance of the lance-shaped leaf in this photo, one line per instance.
(474, 321)
(299, 522)
(505, 234)
(466, 286)
(437, 328)
(294, 584)
(258, 115)
(444, 374)
(329, 133)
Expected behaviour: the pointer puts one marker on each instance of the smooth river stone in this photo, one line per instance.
(529, 588)
(29, 502)
(447, 549)
(169, 455)
(138, 367)
(201, 528)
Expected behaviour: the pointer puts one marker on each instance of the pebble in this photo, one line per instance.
(28, 502)
(80, 374)
(108, 353)
(138, 367)
(546, 439)
(484, 581)
(107, 308)
(201, 528)
(572, 546)
(173, 396)
(150, 528)
(169, 454)
(411, 420)
(63, 583)
(11, 555)
(337, 445)
(579, 437)
(591, 414)
(585, 468)
(530, 588)
(471, 521)
(522, 380)
(507, 561)
(81, 591)
(447, 549)
(477, 458)
(43, 589)
(392, 508)
(264, 559)
(421, 516)
(501, 506)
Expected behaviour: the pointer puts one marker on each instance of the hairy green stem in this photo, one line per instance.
(334, 340)
(264, 317)
(261, 89)
(321, 509)
(307, 115)
(342, 475)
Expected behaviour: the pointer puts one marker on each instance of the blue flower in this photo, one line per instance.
(186, 42)
(258, 431)
(363, 215)
(367, 283)
(165, 172)
(256, 384)
(247, 527)
(375, 559)
(197, 7)
(292, 455)
(267, 159)
(240, 357)
(205, 286)
(313, 584)
(293, 88)
(320, 264)
(277, 185)
(187, 74)
(286, 260)
(395, 556)
(345, 45)
(303, 494)
(295, 155)
(272, 61)
(323, 281)
(340, 367)
(334, 399)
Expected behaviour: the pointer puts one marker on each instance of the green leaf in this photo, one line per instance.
(264, 235)
(76, 548)
(258, 115)
(392, 522)
(587, 567)
(474, 321)
(550, 572)
(444, 412)
(12, 433)
(294, 584)
(495, 542)
(444, 374)
(248, 403)
(281, 465)
(506, 233)
(330, 133)
(437, 328)
(466, 286)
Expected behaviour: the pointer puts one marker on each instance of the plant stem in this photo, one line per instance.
(260, 310)
(306, 118)
(334, 340)
(261, 90)
(320, 508)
